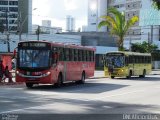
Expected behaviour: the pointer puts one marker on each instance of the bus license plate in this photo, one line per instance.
(31, 79)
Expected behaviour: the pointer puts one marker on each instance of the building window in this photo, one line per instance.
(3, 2)
(13, 2)
(3, 8)
(13, 9)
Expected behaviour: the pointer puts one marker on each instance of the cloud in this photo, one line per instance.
(70, 5)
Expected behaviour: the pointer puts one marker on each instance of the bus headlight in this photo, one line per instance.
(48, 73)
(17, 72)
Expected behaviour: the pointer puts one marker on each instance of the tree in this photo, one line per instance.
(143, 47)
(117, 24)
(156, 4)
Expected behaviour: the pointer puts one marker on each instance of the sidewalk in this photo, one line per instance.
(100, 74)
(155, 72)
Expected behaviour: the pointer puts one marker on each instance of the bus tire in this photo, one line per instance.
(59, 81)
(29, 85)
(130, 74)
(112, 77)
(144, 73)
(82, 81)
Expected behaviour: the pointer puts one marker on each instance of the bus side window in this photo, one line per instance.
(67, 54)
(83, 55)
(71, 54)
(79, 55)
(87, 52)
(126, 60)
(60, 51)
(93, 56)
(75, 55)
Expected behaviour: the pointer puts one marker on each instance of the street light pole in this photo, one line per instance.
(38, 32)
(21, 23)
(20, 26)
(130, 43)
(148, 40)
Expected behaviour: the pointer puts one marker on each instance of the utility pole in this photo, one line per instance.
(130, 43)
(148, 40)
(151, 40)
(19, 26)
(38, 32)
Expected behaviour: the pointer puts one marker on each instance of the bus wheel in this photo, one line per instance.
(130, 74)
(59, 81)
(82, 81)
(112, 77)
(144, 73)
(29, 85)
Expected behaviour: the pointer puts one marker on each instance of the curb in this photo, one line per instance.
(155, 74)
(7, 84)
(107, 77)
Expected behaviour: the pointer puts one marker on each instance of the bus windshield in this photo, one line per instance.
(33, 58)
(115, 61)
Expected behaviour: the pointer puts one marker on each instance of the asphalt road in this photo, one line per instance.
(96, 96)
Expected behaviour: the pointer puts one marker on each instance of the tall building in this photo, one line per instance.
(46, 26)
(70, 24)
(96, 8)
(150, 23)
(137, 33)
(46, 23)
(133, 8)
(14, 11)
(9, 14)
(25, 15)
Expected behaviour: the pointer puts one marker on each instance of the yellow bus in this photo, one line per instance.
(126, 64)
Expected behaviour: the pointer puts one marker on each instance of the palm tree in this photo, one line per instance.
(117, 24)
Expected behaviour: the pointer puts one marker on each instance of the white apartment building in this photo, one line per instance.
(47, 26)
(138, 33)
(70, 24)
(96, 8)
(46, 30)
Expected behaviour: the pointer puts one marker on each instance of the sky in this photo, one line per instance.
(57, 10)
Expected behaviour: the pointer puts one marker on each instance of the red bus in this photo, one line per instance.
(42, 62)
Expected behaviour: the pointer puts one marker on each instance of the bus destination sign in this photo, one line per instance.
(115, 54)
(34, 44)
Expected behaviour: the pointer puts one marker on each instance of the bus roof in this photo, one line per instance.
(6, 53)
(131, 53)
(62, 44)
